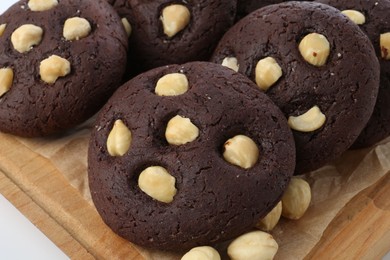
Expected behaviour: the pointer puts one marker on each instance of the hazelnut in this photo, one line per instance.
(119, 139)
(385, 45)
(296, 199)
(54, 67)
(202, 253)
(25, 37)
(231, 63)
(241, 151)
(42, 5)
(269, 222)
(355, 16)
(127, 26)
(6, 79)
(315, 49)
(2, 28)
(157, 183)
(267, 73)
(76, 28)
(253, 245)
(310, 121)
(174, 19)
(173, 84)
(181, 130)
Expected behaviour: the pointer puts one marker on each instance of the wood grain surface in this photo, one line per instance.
(43, 195)
(361, 230)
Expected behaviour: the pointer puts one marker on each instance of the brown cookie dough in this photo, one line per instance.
(372, 17)
(324, 80)
(164, 171)
(245, 7)
(59, 63)
(192, 30)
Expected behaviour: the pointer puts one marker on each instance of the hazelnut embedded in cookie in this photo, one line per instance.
(181, 130)
(355, 16)
(315, 49)
(310, 121)
(172, 84)
(26, 36)
(76, 28)
(158, 183)
(6, 79)
(267, 73)
(385, 45)
(119, 139)
(174, 19)
(54, 67)
(127, 26)
(2, 28)
(241, 151)
(231, 63)
(42, 5)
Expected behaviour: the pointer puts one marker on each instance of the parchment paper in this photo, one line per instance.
(332, 186)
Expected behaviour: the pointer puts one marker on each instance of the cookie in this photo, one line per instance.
(373, 18)
(188, 155)
(165, 32)
(245, 7)
(324, 80)
(59, 62)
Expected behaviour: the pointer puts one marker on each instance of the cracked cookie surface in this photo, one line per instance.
(151, 47)
(64, 69)
(334, 70)
(199, 197)
(376, 22)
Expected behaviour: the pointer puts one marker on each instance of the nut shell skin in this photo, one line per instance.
(215, 201)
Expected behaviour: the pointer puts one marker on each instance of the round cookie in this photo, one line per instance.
(59, 62)
(320, 77)
(206, 198)
(198, 25)
(376, 22)
(245, 7)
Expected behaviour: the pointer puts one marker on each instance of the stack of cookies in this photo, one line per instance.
(188, 156)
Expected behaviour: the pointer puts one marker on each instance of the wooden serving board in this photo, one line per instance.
(43, 195)
(361, 230)
(35, 185)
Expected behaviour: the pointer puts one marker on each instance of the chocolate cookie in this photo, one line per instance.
(165, 32)
(188, 155)
(372, 16)
(324, 80)
(245, 7)
(59, 63)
